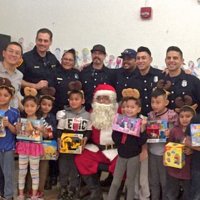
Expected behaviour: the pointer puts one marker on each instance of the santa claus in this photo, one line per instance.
(101, 153)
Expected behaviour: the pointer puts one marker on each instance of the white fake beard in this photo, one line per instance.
(102, 115)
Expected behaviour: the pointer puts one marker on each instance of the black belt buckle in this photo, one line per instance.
(109, 146)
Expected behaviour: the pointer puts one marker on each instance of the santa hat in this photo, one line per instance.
(105, 90)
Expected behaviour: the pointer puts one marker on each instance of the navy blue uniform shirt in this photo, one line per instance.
(184, 84)
(62, 78)
(122, 77)
(91, 77)
(36, 68)
(145, 84)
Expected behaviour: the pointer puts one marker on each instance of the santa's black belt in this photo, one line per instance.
(107, 146)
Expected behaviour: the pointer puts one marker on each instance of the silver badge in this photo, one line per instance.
(155, 79)
(184, 83)
(76, 76)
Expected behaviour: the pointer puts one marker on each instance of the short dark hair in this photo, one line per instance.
(79, 92)
(137, 101)
(187, 109)
(144, 49)
(45, 30)
(158, 92)
(30, 98)
(174, 48)
(16, 44)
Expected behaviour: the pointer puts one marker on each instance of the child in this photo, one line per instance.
(49, 120)
(177, 177)
(9, 117)
(29, 152)
(72, 120)
(157, 171)
(129, 147)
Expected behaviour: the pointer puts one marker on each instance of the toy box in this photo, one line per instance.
(174, 156)
(195, 134)
(30, 130)
(156, 131)
(2, 129)
(127, 125)
(71, 143)
(50, 150)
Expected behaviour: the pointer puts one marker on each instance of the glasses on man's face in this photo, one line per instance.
(68, 59)
(103, 98)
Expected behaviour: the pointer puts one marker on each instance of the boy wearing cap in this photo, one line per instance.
(95, 73)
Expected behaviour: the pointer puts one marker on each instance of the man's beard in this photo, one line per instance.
(102, 115)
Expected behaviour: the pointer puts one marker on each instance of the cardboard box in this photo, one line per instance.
(156, 131)
(195, 134)
(127, 125)
(50, 150)
(174, 156)
(30, 130)
(71, 143)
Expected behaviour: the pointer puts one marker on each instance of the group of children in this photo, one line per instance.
(164, 182)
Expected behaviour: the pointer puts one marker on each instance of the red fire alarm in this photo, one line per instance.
(146, 12)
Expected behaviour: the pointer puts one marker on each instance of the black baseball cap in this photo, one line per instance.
(98, 47)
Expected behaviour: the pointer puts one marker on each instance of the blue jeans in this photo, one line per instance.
(195, 186)
(7, 166)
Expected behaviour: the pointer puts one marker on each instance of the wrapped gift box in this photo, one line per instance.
(195, 134)
(71, 143)
(30, 130)
(127, 125)
(156, 131)
(50, 150)
(174, 156)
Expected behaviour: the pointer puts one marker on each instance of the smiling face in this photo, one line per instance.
(132, 109)
(12, 55)
(46, 105)
(143, 61)
(174, 61)
(68, 61)
(30, 108)
(185, 118)
(43, 42)
(129, 63)
(76, 101)
(5, 97)
(98, 58)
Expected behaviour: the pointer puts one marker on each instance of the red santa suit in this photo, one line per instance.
(102, 150)
(88, 162)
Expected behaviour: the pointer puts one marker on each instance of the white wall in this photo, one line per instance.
(114, 23)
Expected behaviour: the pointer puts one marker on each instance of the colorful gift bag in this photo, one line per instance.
(50, 150)
(195, 134)
(156, 131)
(127, 125)
(30, 130)
(174, 156)
(71, 143)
